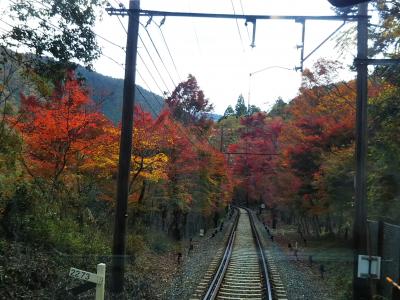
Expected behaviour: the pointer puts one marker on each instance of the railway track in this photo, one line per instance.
(242, 272)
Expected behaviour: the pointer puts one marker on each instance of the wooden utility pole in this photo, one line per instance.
(361, 289)
(121, 215)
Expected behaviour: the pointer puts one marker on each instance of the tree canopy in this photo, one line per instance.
(61, 29)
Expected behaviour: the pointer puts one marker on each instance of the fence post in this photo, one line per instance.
(381, 237)
(101, 272)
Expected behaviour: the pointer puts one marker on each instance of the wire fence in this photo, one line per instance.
(385, 242)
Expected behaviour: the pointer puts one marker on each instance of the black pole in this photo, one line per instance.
(361, 288)
(118, 258)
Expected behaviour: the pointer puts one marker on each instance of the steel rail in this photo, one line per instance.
(214, 287)
(262, 258)
(219, 275)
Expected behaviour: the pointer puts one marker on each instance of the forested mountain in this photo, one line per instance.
(109, 91)
(106, 90)
(158, 222)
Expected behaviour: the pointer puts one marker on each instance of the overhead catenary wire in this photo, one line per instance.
(237, 25)
(247, 29)
(194, 29)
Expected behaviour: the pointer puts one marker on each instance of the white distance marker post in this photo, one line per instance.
(101, 272)
(98, 279)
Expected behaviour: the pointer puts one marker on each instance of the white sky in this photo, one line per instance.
(212, 50)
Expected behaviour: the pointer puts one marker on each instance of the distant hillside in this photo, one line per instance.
(110, 91)
(214, 117)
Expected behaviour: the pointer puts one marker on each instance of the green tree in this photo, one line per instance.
(240, 107)
(384, 153)
(229, 111)
(278, 109)
(61, 29)
(254, 109)
(386, 35)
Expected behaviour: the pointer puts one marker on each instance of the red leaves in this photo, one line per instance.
(255, 170)
(60, 130)
(189, 105)
(65, 138)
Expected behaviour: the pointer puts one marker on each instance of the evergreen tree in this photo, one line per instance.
(229, 111)
(254, 109)
(240, 107)
(278, 109)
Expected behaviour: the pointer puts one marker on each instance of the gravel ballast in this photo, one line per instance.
(196, 262)
(299, 279)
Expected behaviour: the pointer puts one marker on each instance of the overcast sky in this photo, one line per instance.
(216, 54)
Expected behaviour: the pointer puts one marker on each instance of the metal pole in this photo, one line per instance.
(249, 18)
(118, 258)
(303, 37)
(361, 289)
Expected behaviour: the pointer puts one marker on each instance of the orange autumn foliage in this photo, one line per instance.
(61, 131)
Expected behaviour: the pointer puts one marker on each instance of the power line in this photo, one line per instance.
(146, 84)
(113, 60)
(167, 107)
(153, 62)
(166, 45)
(158, 53)
(173, 121)
(6, 23)
(247, 29)
(120, 22)
(194, 30)
(151, 74)
(141, 58)
(148, 103)
(120, 5)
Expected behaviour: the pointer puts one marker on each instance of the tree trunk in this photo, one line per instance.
(174, 228)
(142, 192)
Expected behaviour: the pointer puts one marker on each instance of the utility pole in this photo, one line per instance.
(121, 215)
(361, 289)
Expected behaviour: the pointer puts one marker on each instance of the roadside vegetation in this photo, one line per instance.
(59, 158)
